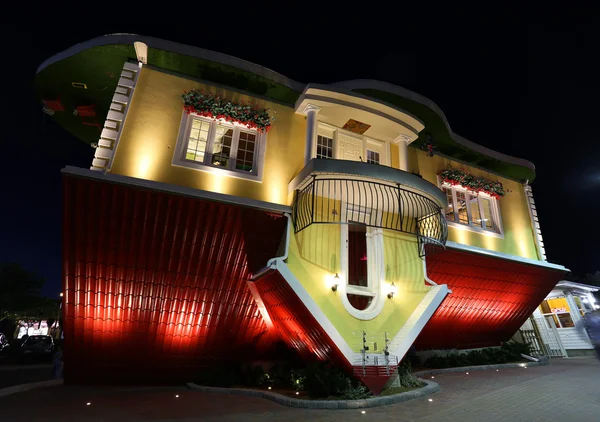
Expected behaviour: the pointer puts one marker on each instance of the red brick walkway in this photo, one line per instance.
(566, 390)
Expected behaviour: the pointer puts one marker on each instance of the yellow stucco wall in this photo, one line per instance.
(518, 234)
(314, 259)
(149, 138)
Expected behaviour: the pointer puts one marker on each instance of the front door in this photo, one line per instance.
(350, 148)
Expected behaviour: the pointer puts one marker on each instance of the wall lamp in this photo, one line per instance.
(393, 290)
(336, 282)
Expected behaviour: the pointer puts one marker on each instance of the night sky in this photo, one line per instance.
(528, 90)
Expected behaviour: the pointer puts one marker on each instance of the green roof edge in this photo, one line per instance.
(222, 69)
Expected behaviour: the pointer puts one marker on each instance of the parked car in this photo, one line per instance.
(37, 347)
(4, 346)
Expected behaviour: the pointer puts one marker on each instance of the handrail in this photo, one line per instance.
(339, 200)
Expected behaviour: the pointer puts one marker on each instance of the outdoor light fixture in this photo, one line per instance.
(393, 290)
(269, 387)
(363, 412)
(61, 294)
(336, 282)
(88, 403)
(430, 399)
(176, 396)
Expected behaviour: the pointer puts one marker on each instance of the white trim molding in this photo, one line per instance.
(115, 119)
(401, 342)
(481, 251)
(417, 320)
(183, 140)
(535, 222)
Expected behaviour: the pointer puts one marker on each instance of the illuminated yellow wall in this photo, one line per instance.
(150, 133)
(518, 234)
(314, 259)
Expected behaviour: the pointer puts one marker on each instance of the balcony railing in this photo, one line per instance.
(343, 199)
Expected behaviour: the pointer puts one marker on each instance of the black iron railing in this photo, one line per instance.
(331, 200)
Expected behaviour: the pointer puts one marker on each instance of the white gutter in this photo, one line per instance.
(175, 189)
(272, 263)
(287, 242)
(494, 254)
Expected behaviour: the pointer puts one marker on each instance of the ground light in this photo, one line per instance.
(176, 396)
(363, 412)
(432, 377)
(88, 403)
(269, 387)
(430, 399)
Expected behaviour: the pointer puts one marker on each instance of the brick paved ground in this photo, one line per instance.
(566, 390)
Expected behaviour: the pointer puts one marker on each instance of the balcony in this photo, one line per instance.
(342, 192)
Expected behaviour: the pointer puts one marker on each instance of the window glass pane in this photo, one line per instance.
(450, 208)
(222, 146)
(461, 203)
(196, 146)
(372, 157)
(565, 320)
(324, 147)
(475, 213)
(357, 255)
(359, 302)
(245, 153)
(486, 211)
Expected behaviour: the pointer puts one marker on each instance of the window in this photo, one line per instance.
(207, 143)
(372, 157)
(324, 147)
(362, 264)
(475, 210)
(357, 266)
(558, 311)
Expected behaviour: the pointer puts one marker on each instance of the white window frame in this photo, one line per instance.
(182, 141)
(497, 228)
(375, 267)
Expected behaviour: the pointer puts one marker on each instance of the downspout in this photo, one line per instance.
(272, 263)
(427, 279)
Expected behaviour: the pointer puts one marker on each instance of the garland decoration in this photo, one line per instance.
(473, 183)
(217, 107)
(429, 146)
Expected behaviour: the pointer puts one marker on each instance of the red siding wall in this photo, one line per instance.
(295, 323)
(155, 284)
(491, 298)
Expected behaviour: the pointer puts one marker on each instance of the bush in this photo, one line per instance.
(406, 378)
(321, 380)
(514, 349)
(354, 391)
(217, 377)
(509, 352)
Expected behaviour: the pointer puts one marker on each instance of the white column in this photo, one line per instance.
(402, 141)
(311, 131)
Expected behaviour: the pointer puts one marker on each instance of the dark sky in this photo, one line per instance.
(528, 90)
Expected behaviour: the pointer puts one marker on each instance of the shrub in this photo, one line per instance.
(217, 377)
(514, 349)
(406, 378)
(354, 391)
(509, 352)
(321, 380)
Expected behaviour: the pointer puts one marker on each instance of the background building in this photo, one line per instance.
(229, 207)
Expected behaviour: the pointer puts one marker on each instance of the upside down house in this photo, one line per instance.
(228, 208)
